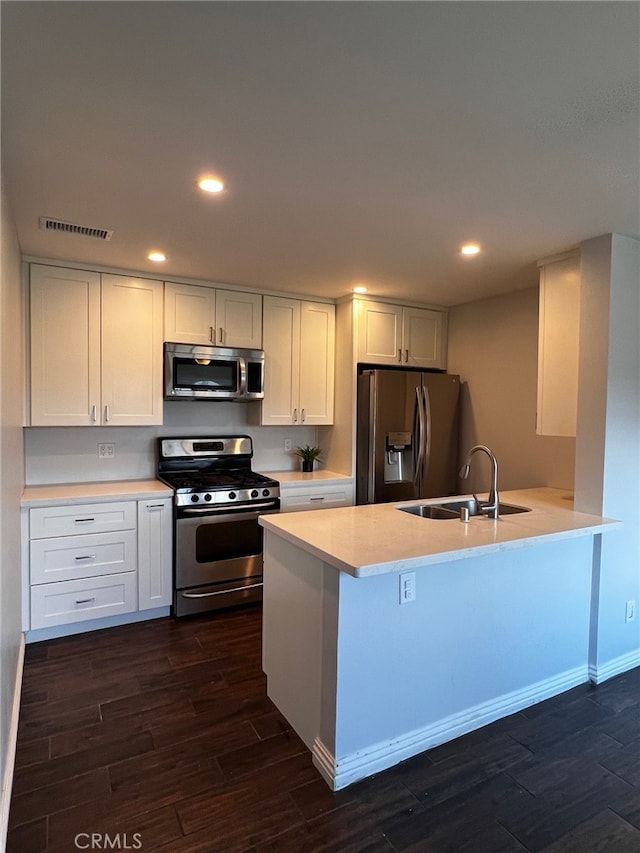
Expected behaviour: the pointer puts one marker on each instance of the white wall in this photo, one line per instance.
(70, 454)
(608, 443)
(11, 483)
(493, 345)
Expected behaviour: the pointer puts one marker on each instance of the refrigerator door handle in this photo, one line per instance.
(428, 430)
(420, 439)
(371, 438)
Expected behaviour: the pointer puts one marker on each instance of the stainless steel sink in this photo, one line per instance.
(451, 509)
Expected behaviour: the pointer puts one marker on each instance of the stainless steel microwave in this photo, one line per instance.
(212, 373)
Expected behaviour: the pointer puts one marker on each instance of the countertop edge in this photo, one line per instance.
(58, 494)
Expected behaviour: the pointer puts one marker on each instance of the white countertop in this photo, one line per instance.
(378, 538)
(304, 478)
(64, 493)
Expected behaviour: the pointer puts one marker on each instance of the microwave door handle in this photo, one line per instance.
(242, 366)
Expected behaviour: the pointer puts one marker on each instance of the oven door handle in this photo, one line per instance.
(206, 510)
(219, 592)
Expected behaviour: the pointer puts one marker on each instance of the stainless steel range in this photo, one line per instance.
(217, 538)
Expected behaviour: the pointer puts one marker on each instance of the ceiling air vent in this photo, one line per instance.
(48, 224)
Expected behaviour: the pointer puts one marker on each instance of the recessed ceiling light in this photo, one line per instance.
(158, 257)
(360, 289)
(470, 249)
(211, 184)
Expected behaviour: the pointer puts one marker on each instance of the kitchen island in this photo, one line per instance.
(499, 620)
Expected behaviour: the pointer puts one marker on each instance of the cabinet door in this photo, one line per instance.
(65, 346)
(189, 314)
(558, 347)
(281, 336)
(317, 349)
(131, 351)
(315, 497)
(239, 319)
(155, 542)
(423, 337)
(379, 333)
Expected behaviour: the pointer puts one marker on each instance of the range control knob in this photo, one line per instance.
(207, 497)
(265, 493)
(195, 498)
(232, 496)
(254, 493)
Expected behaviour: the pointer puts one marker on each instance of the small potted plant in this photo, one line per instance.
(308, 455)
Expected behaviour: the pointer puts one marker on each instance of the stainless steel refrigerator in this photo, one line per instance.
(408, 435)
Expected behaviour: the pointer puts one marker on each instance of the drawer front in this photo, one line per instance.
(78, 601)
(315, 500)
(73, 557)
(45, 522)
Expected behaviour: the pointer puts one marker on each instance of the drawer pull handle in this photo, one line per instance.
(85, 600)
(87, 557)
(317, 499)
(154, 506)
(84, 520)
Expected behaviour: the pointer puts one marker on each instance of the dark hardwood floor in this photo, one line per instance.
(160, 735)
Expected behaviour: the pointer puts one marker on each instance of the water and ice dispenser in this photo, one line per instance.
(398, 457)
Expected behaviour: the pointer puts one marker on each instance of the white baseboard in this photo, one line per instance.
(338, 773)
(604, 671)
(12, 739)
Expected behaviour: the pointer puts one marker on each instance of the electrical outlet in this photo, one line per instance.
(630, 611)
(407, 587)
(106, 451)
(288, 445)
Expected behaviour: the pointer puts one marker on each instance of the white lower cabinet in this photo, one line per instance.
(67, 602)
(155, 542)
(88, 561)
(295, 498)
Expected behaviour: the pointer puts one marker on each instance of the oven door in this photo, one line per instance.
(218, 559)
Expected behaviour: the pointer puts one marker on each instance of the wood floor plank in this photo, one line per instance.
(606, 832)
(58, 796)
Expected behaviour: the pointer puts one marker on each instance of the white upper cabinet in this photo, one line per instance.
(558, 346)
(299, 346)
(96, 349)
(400, 335)
(205, 315)
(189, 314)
(317, 362)
(65, 346)
(131, 351)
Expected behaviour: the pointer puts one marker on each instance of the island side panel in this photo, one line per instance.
(299, 638)
(485, 637)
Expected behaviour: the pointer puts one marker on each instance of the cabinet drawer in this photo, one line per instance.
(45, 522)
(78, 601)
(72, 557)
(315, 500)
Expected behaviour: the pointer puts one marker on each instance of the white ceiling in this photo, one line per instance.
(360, 141)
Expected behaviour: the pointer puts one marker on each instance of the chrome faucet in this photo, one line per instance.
(490, 506)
